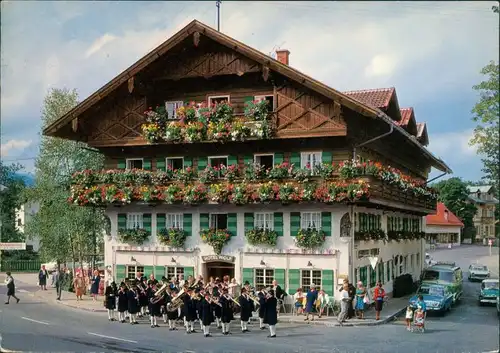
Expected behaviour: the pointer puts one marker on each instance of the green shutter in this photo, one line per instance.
(248, 99)
(146, 164)
(249, 221)
(121, 273)
(248, 160)
(279, 276)
(232, 224)
(295, 159)
(388, 269)
(293, 281)
(188, 271)
(326, 157)
(148, 270)
(381, 272)
(161, 222)
(232, 160)
(187, 223)
(202, 163)
(363, 275)
(326, 223)
(248, 276)
(294, 223)
(161, 164)
(373, 277)
(278, 158)
(159, 272)
(204, 221)
(122, 164)
(278, 223)
(146, 222)
(188, 162)
(327, 281)
(122, 221)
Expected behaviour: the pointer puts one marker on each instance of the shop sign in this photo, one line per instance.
(222, 258)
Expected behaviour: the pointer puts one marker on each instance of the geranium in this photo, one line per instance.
(259, 236)
(174, 131)
(186, 175)
(220, 193)
(173, 237)
(309, 238)
(209, 174)
(133, 236)
(219, 131)
(230, 172)
(195, 132)
(152, 132)
(281, 171)
(266, 192)
(254, 171)
(257, 110)
(222, 112)
(217, 238)
(195, 194)
(239, 194)
(240, 130)
(150, 194)
(173, 194)
(288, 193)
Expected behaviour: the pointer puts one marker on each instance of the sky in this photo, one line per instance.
(432, 52)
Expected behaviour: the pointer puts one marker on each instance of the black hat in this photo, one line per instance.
(271, 292)
(246, 283)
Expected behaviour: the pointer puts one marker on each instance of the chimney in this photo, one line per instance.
(283, 55)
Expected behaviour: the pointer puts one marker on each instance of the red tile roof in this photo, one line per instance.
(377, 98)
(439, 219)
(420, 129)
(406, 114)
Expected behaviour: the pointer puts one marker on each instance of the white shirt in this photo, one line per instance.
(8, 280)
(344, 294)
(323, 299)
(297, 296)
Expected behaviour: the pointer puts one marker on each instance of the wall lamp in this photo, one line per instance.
(173, 260)
(262, 263)
(309, 264)
(132, 259)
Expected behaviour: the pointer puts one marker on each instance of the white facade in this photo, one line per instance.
(23, 215)
(435, 231)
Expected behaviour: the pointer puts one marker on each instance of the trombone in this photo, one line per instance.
(229, 297)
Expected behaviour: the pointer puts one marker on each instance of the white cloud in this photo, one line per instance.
(99, 44)
(11, 145)
(381, 65)
(454, 145)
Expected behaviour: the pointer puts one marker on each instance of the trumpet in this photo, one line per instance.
(213, 300)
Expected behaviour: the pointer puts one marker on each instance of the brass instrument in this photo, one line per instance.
(255, 301)
(195, 284)
(161, 291)
(155, 299)
(229, 297)
(176, 302)
(213, 300)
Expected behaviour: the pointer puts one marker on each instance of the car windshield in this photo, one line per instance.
(479, 268)
(432, 290)
(490, 285)
(434, 275)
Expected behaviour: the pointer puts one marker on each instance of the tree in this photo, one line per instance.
(10, 200)
(454, 194)
(66, 231)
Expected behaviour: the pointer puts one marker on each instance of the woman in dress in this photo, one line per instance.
(360, 300)
(378, 297)
(79, 286)
(42, 278)
(311, 298)
(94, 289)
(298, 300)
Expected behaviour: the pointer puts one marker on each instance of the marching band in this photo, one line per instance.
(192, 301)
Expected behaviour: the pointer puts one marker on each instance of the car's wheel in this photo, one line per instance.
(480, 303)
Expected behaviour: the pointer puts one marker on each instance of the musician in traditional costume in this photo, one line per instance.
(189, 311)
(143, 298)
(262, 309)
(110, 302)
(217, 310)
(197, 299)
(133, 304)
(173, 284)
(154, 307)
(152, 280)
(122, 302)
(227, 311)
(206, 314)
(233, 287)
(247, 307)
(271, 314)
(169, 315)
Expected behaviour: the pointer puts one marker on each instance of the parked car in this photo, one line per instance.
(437, 297)
(498, 305)
(489, 291)
(478, 272)
(447, 274)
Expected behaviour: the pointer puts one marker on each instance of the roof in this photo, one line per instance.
(377, 98)
(420, 129)
(477, 200)
(439, 219)
(482, 188)
(406, 114)
(253, 54)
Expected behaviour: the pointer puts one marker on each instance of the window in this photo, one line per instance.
(134, 220)
(380, 268)
(133, 270)
(368, 221)
(363, 275)
(171, 108)
(263, 278)
(310, 220)
(265, 160)
(363, 253)
(309, 277)
(29, 247)
(175, 163)
(217, 162)
(134, 163)
(269, 99)
(218, 99)
(174, 220)
(174, 272)
(310, 160)
(218, 221)
(264, 221)
(19, 222)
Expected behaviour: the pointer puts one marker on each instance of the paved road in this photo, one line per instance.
(467, 254)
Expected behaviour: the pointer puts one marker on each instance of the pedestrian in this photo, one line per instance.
(360, 300)
(58, 281)
(42, 278)
(378, 296)
(79, 285)
(311, 298)
(408, 317)
(94, 289)
(345, 302)
(11, 288)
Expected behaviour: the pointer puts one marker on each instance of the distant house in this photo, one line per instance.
(23, 215)
(443, 228)
(484, 220)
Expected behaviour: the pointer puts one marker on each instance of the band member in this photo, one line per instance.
(226, 311)
(122, 302)
(271, 314)
(206, 314)
(173, 284)
(262, 310)
(152, 280)
(197, 301)
(143, 298)
(246, 309)
(133, 304)
(189, 312)
(233, 287)
(110, 302)
(217, 310)
(171, 316)
(155, 304)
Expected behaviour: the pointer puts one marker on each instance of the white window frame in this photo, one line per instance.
(306, 156)
(265, 284)
(128, 273)
(128, 160)
(170, 158)
(263, 224)
(177, 105)
(176, 272)
(210, 98)
(262, 97)
(214, 157)
(318, 285)
(210, 225)
(174, 220)
(262, 155)
(303, 221)
(135, 220)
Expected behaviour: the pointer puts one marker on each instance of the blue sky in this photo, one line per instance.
(432, 52)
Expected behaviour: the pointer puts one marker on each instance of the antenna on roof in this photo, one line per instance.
(217, 4)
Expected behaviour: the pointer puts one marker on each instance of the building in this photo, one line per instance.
(23, 215)
(283, 178)
(484, 220)
(443, 228)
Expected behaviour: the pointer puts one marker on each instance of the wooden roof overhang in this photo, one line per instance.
(64, 125)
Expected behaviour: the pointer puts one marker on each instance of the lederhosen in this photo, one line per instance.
(227, 313)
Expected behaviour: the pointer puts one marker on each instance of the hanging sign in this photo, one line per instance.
(213, 258)
(12, 246)
(373, 261)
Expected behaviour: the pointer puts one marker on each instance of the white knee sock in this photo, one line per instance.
(171, 324)
(206, 329)
(243, 325)
(110, 314)
(201, 325)
(185, 321)
(227, 327)
(191, 324)
(272, 330)
(132, 318)
(120, 316)
(165, 318)
(261, 322)
(152, 319)
(217, 321)
(187, 325)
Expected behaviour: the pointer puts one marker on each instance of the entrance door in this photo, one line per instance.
(219, 269)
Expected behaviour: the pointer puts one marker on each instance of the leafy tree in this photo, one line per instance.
(10, 200)
(66, 231)
(454, 194)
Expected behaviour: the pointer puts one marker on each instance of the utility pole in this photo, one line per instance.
(217, 3)
(94, 240)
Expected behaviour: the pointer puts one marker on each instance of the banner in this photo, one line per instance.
(12, 246)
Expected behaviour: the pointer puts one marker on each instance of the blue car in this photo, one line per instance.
(437, 298)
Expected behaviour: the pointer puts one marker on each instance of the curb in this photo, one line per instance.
(33, 294)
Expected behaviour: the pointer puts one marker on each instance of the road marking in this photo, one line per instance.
(111, 337)
(36, 321)
(22, 291)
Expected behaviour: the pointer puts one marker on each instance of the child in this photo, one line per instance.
(420, 317)
(409, 316)
(122, 302)
(110, 302)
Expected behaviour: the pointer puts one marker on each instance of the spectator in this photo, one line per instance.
(42, 278)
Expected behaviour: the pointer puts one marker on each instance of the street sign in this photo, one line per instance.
(490, 242)
(373, 261)
(12, 246)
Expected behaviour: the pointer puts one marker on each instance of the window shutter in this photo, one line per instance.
(146, 222)
(202, 163)
(278, 158)
(279, 276)
(362, 275)
(248, 276)
(278, 223)
(146, 164)
(148, 270)
(121, 164)
(326, 157)
(120, 273)
(122, 221)
(232, 225)
(248, 160)
(161, 164)
(188, 162)
(327, 281)
(204, 221)
(161, 222)
(293, 281)
(159, 272)
(188, 271)
(232, 160)
(187, 223)
(294, 223)
(248, 99)
(388, 269)
(373, 276)
(249, 221)
(326, 223)
(381, 272)
(295, 159)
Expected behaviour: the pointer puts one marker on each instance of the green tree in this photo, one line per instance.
(66, 231)
(10, 200)
(454, 194)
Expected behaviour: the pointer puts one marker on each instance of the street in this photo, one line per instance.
(33, 325)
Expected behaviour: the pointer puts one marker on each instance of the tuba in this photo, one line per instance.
(177, 302)
(255, 300)
(161, 291)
